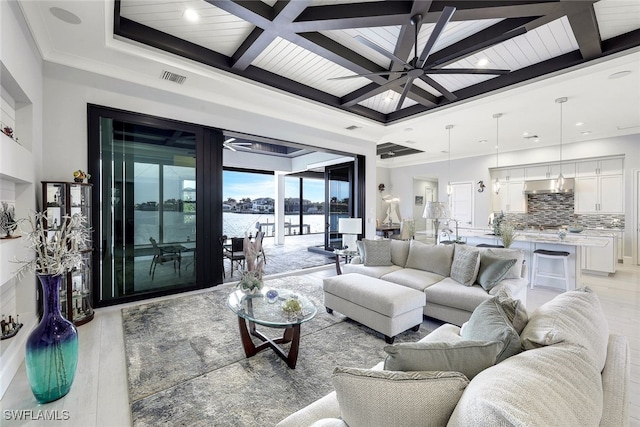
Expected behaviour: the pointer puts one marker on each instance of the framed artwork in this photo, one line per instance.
(419, 200)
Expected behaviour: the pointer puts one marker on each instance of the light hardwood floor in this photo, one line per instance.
(99, 396)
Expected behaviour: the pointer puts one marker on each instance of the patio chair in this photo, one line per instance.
(162, 255)
(234, 252)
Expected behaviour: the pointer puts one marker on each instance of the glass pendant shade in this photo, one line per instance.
(449, 189)
(560, 182)
(496, 186)
(560, 179)
(496, 183)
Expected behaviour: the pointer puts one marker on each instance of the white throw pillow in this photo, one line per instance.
(433, 258)
(389, 398)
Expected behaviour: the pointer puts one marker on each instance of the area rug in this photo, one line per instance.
(186, 365)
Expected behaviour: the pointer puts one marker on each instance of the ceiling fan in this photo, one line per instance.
(231, 144)
(418, 68)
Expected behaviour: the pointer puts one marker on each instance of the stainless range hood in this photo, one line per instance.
(546, 186)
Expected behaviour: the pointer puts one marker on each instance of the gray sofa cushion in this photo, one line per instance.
(552, 386)
(434, 258)
(574, 317)
(377, 252)
(492, 270)
(450, 293)
(416, 279)
(489, 322)
(389, 398)
(376, 272)
(515, 272)
(399, 252)
(466, 262)
(467, 357)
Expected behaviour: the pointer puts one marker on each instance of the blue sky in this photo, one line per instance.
(238, 185)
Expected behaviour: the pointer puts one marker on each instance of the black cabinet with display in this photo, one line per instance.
(62, 199)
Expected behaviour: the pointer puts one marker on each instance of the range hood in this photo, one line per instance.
(546, 186)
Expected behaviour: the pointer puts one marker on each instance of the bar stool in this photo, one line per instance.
(486, 245)
(555, 255)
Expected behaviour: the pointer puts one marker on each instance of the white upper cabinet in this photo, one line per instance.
(599, 167)
(599, 187)
(552, 171)
(511, 197)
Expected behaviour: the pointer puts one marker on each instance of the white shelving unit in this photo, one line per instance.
(17, 294)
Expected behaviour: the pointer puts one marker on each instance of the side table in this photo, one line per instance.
(346, 254)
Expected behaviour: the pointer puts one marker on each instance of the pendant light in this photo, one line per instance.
(496, 183)
(560, 180)
(449, 189)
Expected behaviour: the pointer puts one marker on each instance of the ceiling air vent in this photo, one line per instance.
(173, 77)
(352, 127)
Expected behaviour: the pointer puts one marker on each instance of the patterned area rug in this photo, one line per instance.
(186, 365)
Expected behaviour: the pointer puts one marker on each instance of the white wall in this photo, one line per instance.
(22, 80)
(66, 143)
(477, 168)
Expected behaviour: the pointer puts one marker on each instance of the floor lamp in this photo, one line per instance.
(349, 228)
(436, 211)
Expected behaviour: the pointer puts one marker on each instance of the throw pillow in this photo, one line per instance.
(377, 252)
(514, 272)
(574, 317)
(466, 263)
(467, 357)
(433, 258)
(390, 398)
(514, 309)
(492, 270)
(489, 322)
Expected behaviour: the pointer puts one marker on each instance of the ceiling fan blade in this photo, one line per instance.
(380, 50)
(444, 19)
(229, 147)
(381, 73)
(405, 91)
(466, 71)
(437, 86)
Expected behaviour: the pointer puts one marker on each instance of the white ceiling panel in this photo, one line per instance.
(616, 17)
(293, 62)
(217, 30)
(385, 37)
(453, 32)
(386, 102)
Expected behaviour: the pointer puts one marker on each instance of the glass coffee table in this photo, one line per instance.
(257, 309)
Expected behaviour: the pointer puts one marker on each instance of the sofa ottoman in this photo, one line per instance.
(383, 306)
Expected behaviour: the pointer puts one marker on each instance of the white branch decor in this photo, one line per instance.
(57, 250)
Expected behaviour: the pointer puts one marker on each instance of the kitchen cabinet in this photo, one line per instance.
(601, 167)
(63, 199)
(600, 260)
(602, 194)
(550, 171)
(511, 197)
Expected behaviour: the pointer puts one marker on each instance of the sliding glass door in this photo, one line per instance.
(339, 199)
(153, 239)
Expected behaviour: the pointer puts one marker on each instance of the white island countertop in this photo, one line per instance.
(595, 238)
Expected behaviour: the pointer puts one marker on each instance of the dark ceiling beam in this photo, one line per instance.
(256, 12)
(584, 24)
(261, 37)
(356, 15)
(476, 42)
(476, 10)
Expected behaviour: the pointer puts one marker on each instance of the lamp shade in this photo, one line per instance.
(350, 225)
(436, 210)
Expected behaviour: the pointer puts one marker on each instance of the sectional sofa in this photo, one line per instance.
(454, 278)
(556, 366)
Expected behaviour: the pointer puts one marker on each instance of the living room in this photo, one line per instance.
(51, 123)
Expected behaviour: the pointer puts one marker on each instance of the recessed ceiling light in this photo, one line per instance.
(408, 141)
(482, 62)
(191, 15)
(65, 15)
(408, 129)
(526, 133)
(483, 141)
(620, 74)
(586, 132)
(579, 124)
(536, 140)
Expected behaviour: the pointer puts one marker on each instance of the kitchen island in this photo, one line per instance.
(591, 252)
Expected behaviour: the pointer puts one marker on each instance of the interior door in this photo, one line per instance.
(462, 203)
(339, 197)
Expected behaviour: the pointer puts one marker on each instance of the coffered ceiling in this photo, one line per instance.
(317, 48)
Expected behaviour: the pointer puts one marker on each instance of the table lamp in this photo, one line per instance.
(349, 228)
(436, 211)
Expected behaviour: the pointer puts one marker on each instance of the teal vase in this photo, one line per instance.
(51, 353)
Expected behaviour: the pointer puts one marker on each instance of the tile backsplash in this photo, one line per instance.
(557, 210)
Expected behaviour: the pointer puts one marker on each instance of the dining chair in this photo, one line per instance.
(234, 252)
(162, 255)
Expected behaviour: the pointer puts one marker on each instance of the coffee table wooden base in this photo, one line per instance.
(291, 335)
